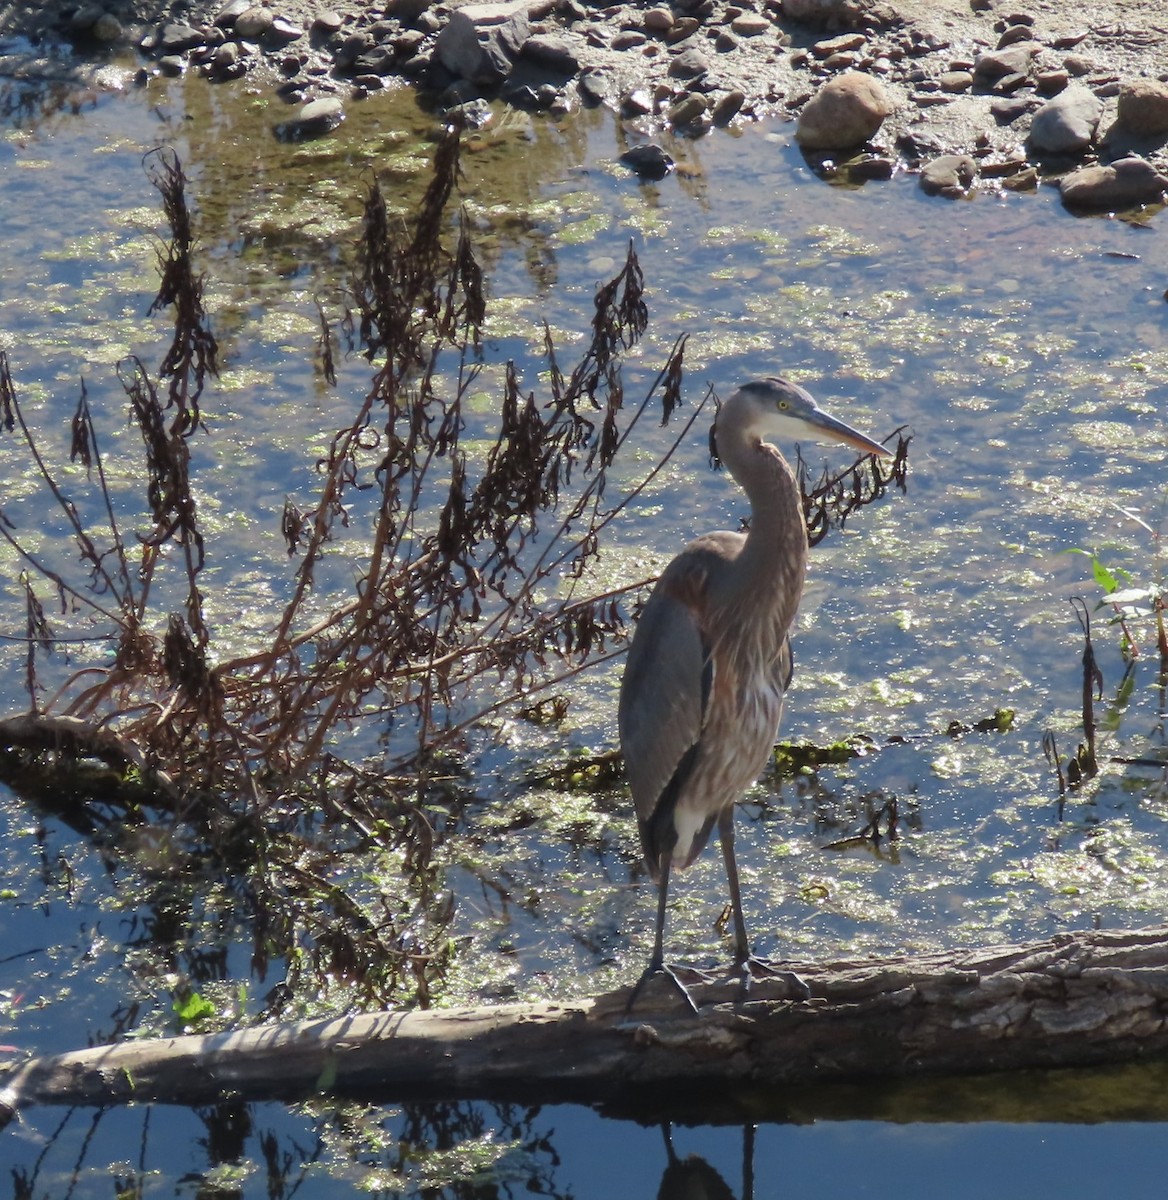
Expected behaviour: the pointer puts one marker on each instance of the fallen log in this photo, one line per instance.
(1073, 1001)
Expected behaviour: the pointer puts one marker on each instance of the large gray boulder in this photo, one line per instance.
(480, 42)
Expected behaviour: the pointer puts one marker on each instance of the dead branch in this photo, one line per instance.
(1075, 1000)
(76, 740)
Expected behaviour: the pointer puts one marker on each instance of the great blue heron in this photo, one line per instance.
(711, 658)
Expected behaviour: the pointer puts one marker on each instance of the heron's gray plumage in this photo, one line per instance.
(710, 661)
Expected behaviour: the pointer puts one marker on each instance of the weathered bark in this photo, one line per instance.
(76, 740)
(1076, 1000)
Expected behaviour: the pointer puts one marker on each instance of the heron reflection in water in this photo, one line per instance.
(711, 657)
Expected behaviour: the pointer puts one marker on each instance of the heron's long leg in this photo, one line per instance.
(657, 961)
(726, 837)
(657, 965)
(744, 961)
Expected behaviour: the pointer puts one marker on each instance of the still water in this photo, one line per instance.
(1026, 352)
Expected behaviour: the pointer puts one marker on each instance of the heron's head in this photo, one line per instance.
(776, 408)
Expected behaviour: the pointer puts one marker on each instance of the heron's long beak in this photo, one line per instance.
(831, 429)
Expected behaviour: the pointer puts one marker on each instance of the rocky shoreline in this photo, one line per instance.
(973, 94)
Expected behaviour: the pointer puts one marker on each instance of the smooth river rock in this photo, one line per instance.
(1143, 107)
(315, 119)
(1125, 183)
(845, 112)
(649, 161)
(1068, 123)
(997, 64)
(950, 175)
(254, 22)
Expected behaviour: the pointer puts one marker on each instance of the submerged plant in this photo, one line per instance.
(473, 593)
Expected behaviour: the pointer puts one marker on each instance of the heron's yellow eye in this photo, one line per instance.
(782, 404)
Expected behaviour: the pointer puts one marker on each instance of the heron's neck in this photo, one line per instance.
(774, 557)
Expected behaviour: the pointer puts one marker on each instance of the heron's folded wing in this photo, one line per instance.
(663, 697)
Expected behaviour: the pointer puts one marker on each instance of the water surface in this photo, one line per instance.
(1025, 351)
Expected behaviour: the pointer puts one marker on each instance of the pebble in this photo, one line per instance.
(406, 11)
(870, 167)
(728, 107)
(177, 37)
(689, 64)
(593, 86)
(750, 25)
(682, 28)
(347, 53)
(690, 109)
(1022, 181)
(107, 29)
(637, 103)
(380, 60)
(1015, 60)
(1001, 170)
(315, 119)
(1007, 85)
(1013, 35)
(838, 45)
(282, 31)
(555, 51)
(1006, 112)
(950, 175)
(327, 23)
(1078, 66)
(83, 20)
(955, 81)
(628, 39)
(648, 161)
(1068, 40)
(230, 12)
(1051, 82)
(657, 20)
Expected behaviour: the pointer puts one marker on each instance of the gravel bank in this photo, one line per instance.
(957, 88)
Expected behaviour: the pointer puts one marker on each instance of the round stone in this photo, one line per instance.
(107, 29)
(253, 22)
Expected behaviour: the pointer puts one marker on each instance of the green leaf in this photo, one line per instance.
(193, 1008)
(1106, 579)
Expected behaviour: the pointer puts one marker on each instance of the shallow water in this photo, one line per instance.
(1023, 348)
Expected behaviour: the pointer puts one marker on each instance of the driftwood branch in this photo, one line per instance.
(1074, 1001)
(77, 740)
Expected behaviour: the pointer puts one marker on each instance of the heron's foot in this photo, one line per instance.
(656, 969)
(751, 968)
